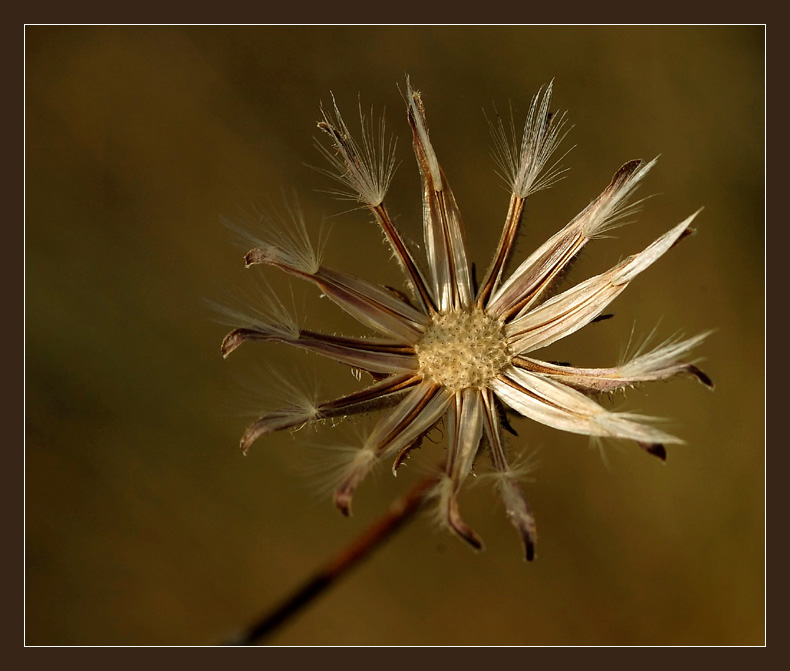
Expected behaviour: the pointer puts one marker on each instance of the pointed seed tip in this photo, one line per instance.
(254, 256)
(656, 449)
(475, 542)
(229, 343)
(701, 376)
(659, 451)
(466, 534)
(343, 502)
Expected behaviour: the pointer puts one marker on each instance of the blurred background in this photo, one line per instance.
(146, 525)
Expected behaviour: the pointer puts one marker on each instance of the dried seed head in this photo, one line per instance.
(460, 353)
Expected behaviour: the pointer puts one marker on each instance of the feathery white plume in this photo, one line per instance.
(365, 169)
(523, 165)
(609, 210)
(259, 309)
(661, 361)
(280, 235)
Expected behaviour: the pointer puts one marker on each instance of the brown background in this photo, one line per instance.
(145, 524)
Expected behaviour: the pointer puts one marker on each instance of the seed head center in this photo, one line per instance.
(463, 349)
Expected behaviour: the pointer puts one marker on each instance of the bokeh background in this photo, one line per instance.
(145, 525)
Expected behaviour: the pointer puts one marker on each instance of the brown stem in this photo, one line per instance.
(400, 512)
(405, 257)
(504, 250)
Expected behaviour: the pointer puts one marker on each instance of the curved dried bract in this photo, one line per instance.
(413, 417)
(534, 277)
(443, 229)
(465, 426)
(371, 355)
(372, 305)
(516, 506)
(358, 170)
(379, 396)
(557, 405)
(661, 363)
(568, 312)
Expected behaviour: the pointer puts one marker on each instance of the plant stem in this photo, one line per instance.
(401, 511)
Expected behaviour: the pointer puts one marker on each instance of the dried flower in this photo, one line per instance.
(455, 350)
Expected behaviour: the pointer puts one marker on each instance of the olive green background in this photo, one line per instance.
(145, 525)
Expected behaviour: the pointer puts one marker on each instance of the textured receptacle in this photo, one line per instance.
(463, 349)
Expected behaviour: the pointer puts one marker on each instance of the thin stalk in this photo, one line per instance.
(400, 512)
(405, 257)
(504, 250)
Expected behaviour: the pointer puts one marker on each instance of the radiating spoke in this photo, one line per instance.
(539, 273)
(527, 170)
(372, 355)
(376, 397)
(465, 427)
(411, 418)
(369, 303)
(660, 363)
(504, 250)
(568, 312)
(516, 506)
(551, 403)
(405, 258)
(367, 170)
(444, 238)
